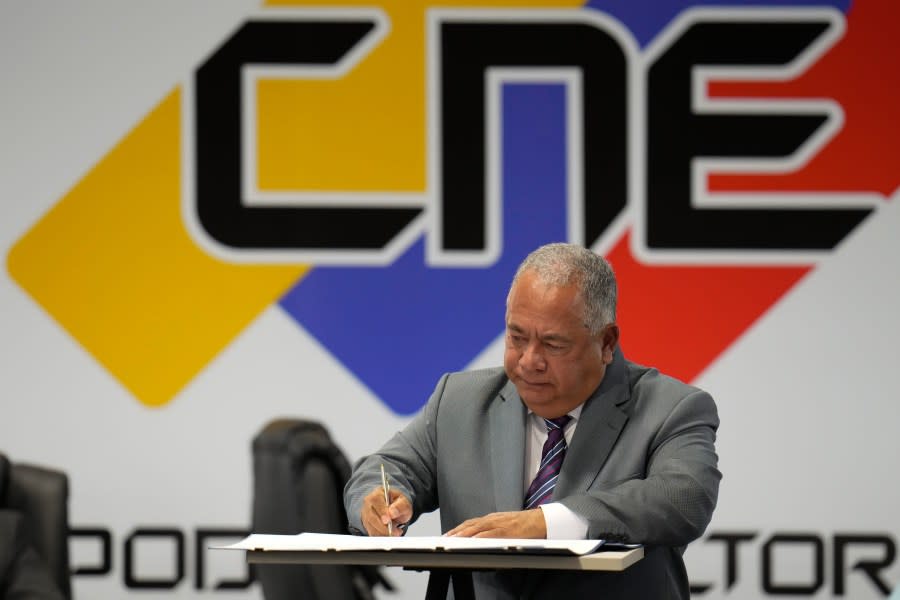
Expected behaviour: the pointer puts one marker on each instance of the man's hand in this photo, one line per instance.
(376, 516)
(517, 524)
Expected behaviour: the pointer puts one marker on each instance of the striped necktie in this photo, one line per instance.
(541, 489)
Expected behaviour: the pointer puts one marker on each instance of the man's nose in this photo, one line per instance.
(532, 358)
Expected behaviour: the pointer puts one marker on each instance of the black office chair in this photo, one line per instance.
(41, 496)
(298, 481)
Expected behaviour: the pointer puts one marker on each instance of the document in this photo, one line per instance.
(328, 542)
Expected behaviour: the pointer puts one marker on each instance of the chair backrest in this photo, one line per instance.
(41, 495)
(298, 480)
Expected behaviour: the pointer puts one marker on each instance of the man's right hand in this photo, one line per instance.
(376, 516)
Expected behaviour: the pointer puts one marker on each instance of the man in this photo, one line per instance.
(636, 448)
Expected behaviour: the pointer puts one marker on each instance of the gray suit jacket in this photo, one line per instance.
(641, 468)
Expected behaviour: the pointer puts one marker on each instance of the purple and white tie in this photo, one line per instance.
(541, 489)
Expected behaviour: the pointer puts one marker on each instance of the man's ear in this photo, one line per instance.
(609, 338)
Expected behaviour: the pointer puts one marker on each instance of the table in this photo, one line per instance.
(455, 566)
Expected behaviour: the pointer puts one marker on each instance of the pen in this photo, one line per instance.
(387, 498)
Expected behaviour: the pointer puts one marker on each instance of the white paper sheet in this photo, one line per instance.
(325, 542)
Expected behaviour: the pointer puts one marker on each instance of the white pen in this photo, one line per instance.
(387, 499)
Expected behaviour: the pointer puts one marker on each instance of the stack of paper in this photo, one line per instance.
(327, 542)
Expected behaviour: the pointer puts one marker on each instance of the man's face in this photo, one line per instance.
(551, 357)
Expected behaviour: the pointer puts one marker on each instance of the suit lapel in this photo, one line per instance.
(599, 426)
(507, 430)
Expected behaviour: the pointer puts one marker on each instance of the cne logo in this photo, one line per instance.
(380, 173)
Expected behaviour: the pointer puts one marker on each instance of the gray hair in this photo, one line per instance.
(565, 264)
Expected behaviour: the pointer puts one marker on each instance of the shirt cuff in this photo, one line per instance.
(562, 523)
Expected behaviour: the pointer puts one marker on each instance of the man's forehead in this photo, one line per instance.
(547, 319)
(537, 296)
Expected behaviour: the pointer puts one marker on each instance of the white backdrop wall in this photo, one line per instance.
(804, 376)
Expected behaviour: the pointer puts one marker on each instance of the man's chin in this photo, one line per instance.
(535, 396)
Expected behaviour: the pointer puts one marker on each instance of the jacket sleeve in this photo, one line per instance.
(410, 461)
(672, 503)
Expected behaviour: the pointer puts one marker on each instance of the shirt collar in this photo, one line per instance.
(574, 413)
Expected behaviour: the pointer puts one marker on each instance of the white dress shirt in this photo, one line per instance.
(562, 523)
